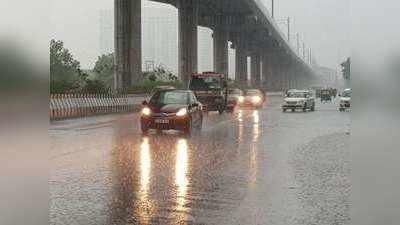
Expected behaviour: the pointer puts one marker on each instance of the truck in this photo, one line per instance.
(211, 89)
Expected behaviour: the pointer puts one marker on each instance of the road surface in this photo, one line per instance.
(250, 167)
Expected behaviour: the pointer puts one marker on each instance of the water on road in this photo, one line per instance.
(237, 170)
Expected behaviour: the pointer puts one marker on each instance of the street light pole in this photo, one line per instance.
(298, 43)
(288, 29)
(273, 8)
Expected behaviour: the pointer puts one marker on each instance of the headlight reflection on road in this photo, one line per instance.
(240, 116)
(146, 206)
(256, 126)
(254, 147)
(145, 164)
(240, 127)
(181, 168)
(256, 117)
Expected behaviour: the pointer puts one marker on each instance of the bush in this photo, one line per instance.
(95, 87)
(104, 69)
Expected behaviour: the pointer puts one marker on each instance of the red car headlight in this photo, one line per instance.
(182, 112)
(146, 111)
(256, 99)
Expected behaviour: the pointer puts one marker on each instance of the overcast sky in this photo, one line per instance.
(322, 24)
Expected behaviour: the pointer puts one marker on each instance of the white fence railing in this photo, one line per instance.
(64, 106)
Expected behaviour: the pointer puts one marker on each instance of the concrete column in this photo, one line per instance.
(291, 75)
(298, 72)
(282, 78)
(128, 43)
(277, 75)
(285, 77)
(188, 21)
(221, 60)
(265, 68)
(256, 69)
(241, 62)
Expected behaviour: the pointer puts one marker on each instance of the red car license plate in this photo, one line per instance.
(162, 121)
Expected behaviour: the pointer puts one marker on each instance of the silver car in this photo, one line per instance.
(298, 99)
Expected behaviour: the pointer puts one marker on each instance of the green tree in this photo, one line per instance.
(64, 69)
(104, 69)
(160, 74)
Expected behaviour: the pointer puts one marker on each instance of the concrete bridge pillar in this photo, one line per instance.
(291, 77)
(128, 43)
(267, 71)
(241, 62)
(302, 81)
(283, 77)
(277, 75)
(188, 21)
(298, 80)
(295, 77)
(255, 69)
(221, 61)
(288, 74)
(271, 73)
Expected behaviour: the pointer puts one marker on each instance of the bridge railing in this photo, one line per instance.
(261, 8)
(64, 106)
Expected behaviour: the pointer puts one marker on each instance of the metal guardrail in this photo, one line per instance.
(63, 106)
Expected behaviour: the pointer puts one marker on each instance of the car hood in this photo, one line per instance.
(294, 99)
(345, 99)
(170, 108)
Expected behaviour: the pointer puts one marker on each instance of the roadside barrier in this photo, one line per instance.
(63, 106)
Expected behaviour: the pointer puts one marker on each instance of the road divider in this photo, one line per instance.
(64, 106)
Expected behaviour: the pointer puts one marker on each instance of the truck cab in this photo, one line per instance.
(211, 89)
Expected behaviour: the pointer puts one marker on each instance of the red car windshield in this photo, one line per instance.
(253, 93)
(169, 97)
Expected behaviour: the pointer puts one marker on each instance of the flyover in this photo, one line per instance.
(246, 24)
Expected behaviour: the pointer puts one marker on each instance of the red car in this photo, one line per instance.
(172, 110)
(252, 98)
(234, 94)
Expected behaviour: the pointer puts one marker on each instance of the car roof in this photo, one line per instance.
(300, 91)
(175, 90)
(165, 87)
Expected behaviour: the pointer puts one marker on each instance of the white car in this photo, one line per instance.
(345, 100)
(298, 99)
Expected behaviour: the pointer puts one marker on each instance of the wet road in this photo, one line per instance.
(237, 170)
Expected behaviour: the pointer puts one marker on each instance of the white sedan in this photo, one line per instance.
(298, 99)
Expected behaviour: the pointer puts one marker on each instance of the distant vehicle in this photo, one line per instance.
(234, 94)
(326, 95)
(345, 100)
(172, 110)
(252, 98)
(298, 99)
(211, 89)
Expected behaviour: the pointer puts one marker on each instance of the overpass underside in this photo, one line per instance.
(274, 65)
